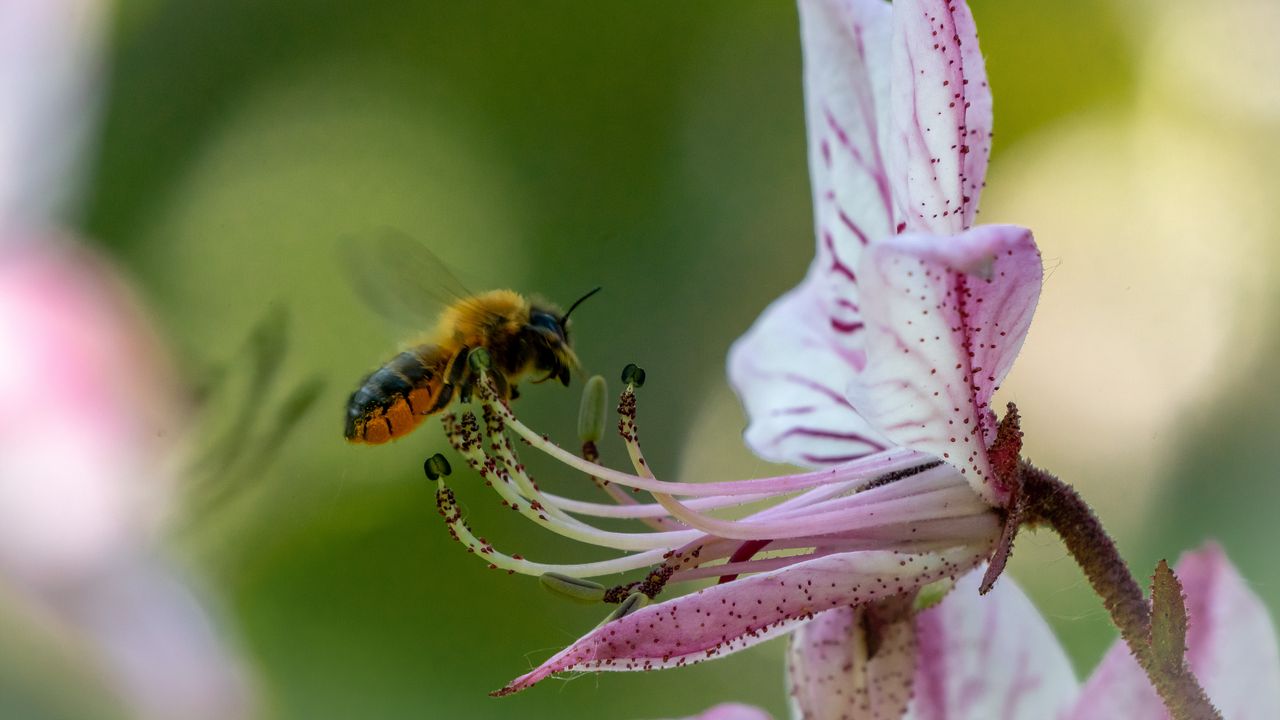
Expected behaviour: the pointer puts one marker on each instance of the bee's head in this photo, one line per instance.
(554, 353)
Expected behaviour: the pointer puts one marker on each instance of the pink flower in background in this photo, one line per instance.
(90, 416)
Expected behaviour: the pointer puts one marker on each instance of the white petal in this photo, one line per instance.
(989, 657)
(945, 318)
(791, 370)
(844, 664)
(941, 116)
(724, 619)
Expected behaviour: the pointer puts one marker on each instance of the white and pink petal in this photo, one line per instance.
(726, 618)
(790, 371)
(989, 657)
(940, 116)
(846, 78)
(945, 318)
(852, 663)
(1231, 647)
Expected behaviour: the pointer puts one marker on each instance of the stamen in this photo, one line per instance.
(436, 467)
(447, 503)
(956, 501)
(591, 417)
(466, 443)
(634, 602)
(896, 499)
(864, 470)
(576, 589)
(591, 413)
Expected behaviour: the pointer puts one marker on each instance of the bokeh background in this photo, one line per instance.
(656, 149)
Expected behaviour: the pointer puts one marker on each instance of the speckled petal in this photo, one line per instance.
(843, 664)
(846, 80)
(940, 135)
(792, 367)
(1231, 646)
(791, 371)
(723, 619)
(990, 657)
(945, 319)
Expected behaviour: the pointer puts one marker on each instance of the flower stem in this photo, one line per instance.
(1048, 500)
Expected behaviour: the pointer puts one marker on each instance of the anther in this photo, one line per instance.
(591, 413)
(634, 602)
(633, 375)
(436, 467)
(480, 360)
(576, 589)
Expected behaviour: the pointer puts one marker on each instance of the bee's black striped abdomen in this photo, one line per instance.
(392, 398)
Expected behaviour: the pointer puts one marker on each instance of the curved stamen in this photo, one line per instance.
(448, 506)
(534, 510)
(866, 469)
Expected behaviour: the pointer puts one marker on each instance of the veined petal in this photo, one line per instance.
(847, 663)
(791, 370)
(732, 711)
(846, 79)
(989, 657)
(1231, 646)
(723, 619)
(940, 123)
(945, 319)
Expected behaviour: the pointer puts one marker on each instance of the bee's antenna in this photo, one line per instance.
(576, 303)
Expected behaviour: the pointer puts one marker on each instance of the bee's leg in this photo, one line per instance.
(454, 373)
(457, 367)
(514, 392)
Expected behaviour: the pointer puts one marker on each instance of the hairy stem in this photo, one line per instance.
(1048, 500)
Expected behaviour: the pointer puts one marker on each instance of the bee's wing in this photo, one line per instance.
(399, 277)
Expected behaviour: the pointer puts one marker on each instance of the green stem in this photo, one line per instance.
(1050, 501)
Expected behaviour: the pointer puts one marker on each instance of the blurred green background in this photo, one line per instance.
(656, 149)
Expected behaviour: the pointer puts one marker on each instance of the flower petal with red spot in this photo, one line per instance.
(939, 135)
(791, 371)
(723, 619)
(945, 317)
(844, 663)
(989, 657)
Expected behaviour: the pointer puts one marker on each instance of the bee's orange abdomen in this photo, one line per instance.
(394, 398)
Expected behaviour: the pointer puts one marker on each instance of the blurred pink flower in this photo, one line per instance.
(91, 420)
(981, 658)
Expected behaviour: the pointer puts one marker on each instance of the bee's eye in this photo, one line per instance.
(546, 321)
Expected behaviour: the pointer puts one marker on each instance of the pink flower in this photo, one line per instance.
(877, 370)
(908, 318)
(90, 418)
(993, 657)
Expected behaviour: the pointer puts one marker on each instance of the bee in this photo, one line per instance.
(522, 336)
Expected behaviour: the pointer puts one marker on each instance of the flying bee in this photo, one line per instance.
(522, 336)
